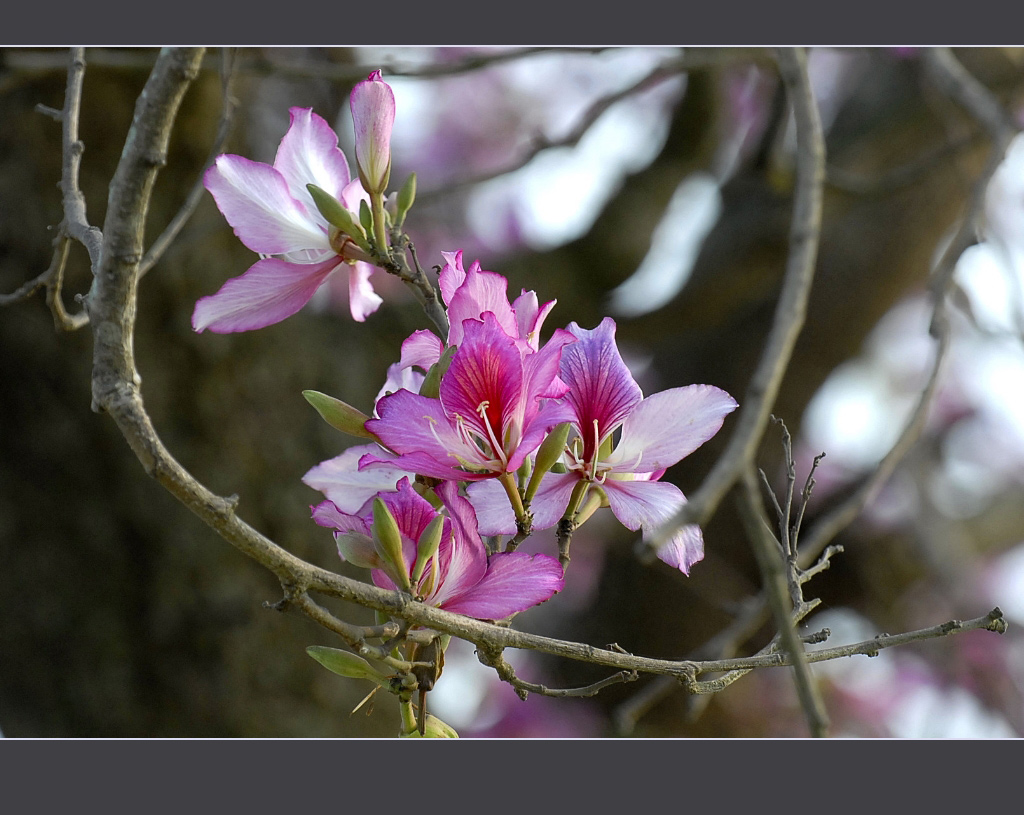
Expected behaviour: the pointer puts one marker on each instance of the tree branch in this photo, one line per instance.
(789, 315)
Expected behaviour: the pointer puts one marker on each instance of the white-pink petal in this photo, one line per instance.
(647, 505)
(257, 203)
(309, 154)
(348, 487)
(267, 293)
(669, 425)
(362, 299)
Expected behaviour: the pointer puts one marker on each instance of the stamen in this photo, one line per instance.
(495, 446)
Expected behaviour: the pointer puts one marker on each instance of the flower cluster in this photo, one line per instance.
(487, 431)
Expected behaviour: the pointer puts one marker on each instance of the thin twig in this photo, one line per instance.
(774, 572)
(495, 659)
(789, 314)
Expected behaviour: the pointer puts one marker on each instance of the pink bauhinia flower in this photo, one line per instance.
(457, 575)
(655, 433)
(497, 401)
(273, 213)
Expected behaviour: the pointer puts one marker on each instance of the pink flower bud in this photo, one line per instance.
(373, 114)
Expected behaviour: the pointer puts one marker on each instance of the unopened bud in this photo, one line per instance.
(548, 454)
(345, 663)
(388, 541)
(339, 415)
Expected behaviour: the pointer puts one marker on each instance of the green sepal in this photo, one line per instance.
(435, 729)
(347, 664)
(339, 415)
(406, 197)
(338, 216)
(431, 387)
(548, 455)
(388, 541)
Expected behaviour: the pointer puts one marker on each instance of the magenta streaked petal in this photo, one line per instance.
(669, 425)
(418, 430)
(541, 370)
(256, 201)
(309, 154)
(494, 513)
(514, 582)
(601, 386)
(350, 488)
(271, 290)
(646, 505)
(485, 374)
(362, 299)
(462, 558)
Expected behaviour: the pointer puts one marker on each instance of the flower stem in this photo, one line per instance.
(379, 229)
(409, 724)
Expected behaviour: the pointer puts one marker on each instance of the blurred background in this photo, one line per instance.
(618, 183)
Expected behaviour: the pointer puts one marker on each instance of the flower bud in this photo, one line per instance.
(435, 729)
(339, 415)
(406, 197)
(427, 547)
(388, 541)
(345, 663)
(431, 385)
(373, 115)
(548, 454)
(338, 216)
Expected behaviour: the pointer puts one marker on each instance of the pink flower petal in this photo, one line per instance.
(601, 386)
(362, 299)
(267, 293)
(514, 582)
(256, 201)
(309, 154)
(486, 374)
(350, 488)
(668, 426)
(461, 557)
(647, 505)
(479, 293)
(418, 430)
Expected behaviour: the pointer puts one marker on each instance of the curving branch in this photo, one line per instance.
(229, 66)
(790, 312)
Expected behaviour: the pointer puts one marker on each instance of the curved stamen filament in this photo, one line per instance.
(495, 445)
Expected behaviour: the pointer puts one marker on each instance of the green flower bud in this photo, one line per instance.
(548, 455)
(427, 547)
(435, 729)
(431, 387)
(339, 415)
(388, 541)
(338, 216)
(406, 197)
(345, 663)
